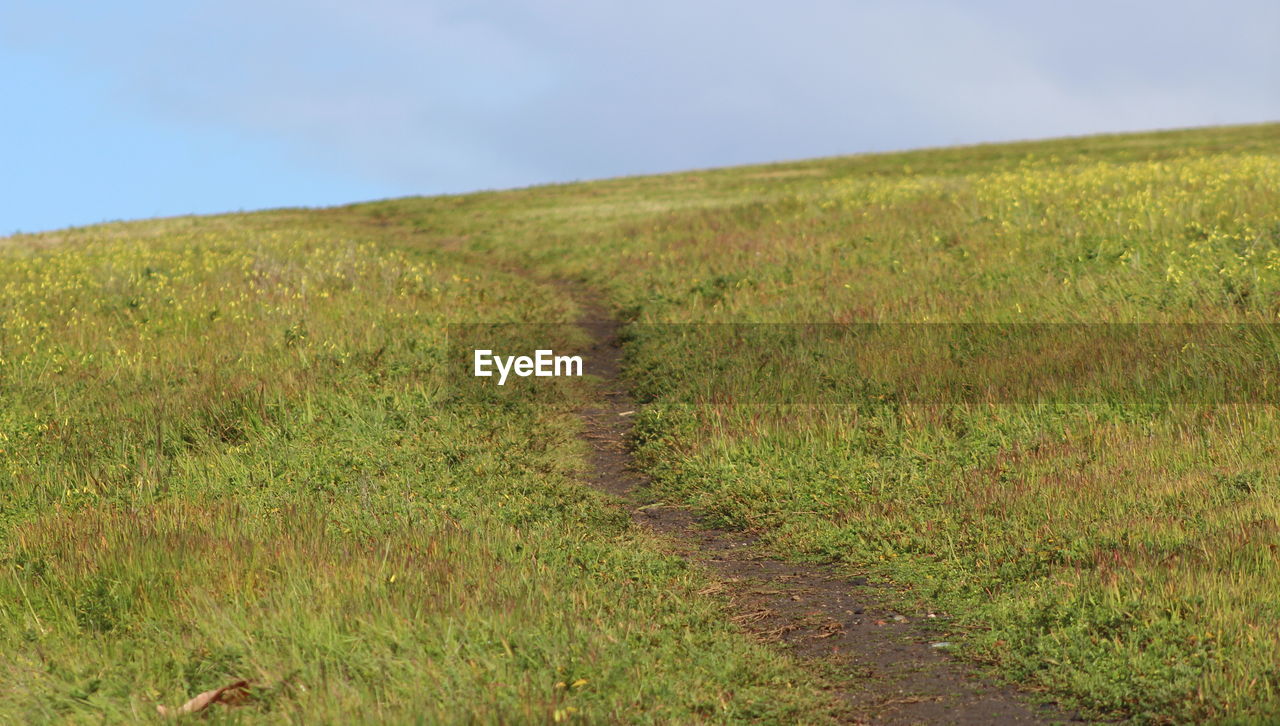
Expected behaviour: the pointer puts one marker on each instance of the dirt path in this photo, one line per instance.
(898, 672)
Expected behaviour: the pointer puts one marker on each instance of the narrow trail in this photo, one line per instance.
(896, 675)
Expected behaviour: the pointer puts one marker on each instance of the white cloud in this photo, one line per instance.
(438, 96)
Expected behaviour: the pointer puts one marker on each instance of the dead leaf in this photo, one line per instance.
(832, 628)
(230, 695)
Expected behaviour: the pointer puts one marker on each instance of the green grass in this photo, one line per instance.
(224, 436)
(229, 453)
(1121, 556)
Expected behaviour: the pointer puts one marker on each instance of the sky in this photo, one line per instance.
(134, 109)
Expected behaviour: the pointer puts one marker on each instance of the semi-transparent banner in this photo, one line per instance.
(904, 362)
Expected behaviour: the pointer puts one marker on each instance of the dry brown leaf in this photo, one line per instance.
(230, 695)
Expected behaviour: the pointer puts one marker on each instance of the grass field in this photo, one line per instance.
(229, 451)
(227, 455)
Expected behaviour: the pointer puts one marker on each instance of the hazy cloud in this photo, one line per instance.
(435, 96)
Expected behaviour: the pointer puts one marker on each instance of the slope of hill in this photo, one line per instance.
(231, 450)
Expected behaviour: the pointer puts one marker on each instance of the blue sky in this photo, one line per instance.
(136, 109)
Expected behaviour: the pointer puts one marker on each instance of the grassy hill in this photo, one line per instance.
(229, 448)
